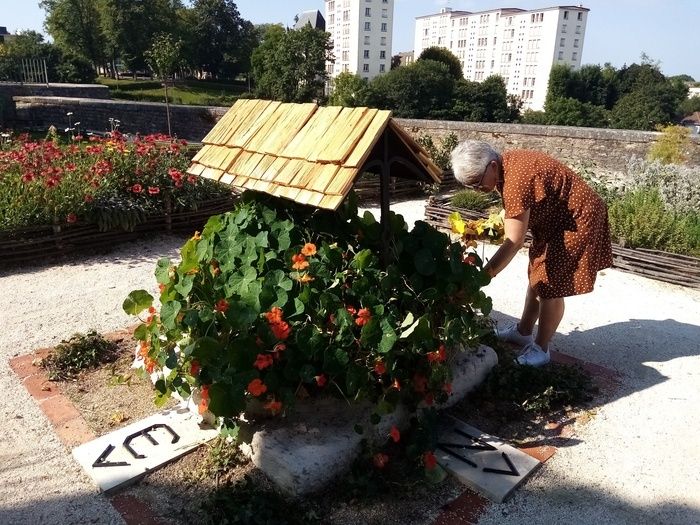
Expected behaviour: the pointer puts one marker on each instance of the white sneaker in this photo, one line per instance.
(510, 334)
(533, 355)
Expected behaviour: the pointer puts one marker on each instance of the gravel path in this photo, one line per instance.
(635, 462)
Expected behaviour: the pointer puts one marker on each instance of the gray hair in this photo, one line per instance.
(469, 160)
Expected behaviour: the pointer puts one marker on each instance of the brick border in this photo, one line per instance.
(73, 430)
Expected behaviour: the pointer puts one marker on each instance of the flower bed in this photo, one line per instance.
(55, 198)
(654, 264)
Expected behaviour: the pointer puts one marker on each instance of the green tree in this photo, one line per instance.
(75, 28)
(349, 90)
(423, 89)
(639, 109)
(164, 59)
(572, 112)
(290, 65)
(440, 54)
(486, 101)
(689, 106)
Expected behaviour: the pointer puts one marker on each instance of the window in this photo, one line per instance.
(382, 54)
(368, 26)
(331, 19)
(366, 54)
(574, 55)
(346, 56)
(366, 40)
(382, 68)
(331, 6)
(562, 42)
(368, 11)
(365, 68)
(384, 27)
(566, 15)
(576, 43)
(579, 16)
(346, 16)
(385, 1)
(561, 55)
(383, 41)
(563, 28)
(385, 13)
(578, 30)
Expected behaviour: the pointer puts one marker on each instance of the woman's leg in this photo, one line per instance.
(551, 313)
(531, 311)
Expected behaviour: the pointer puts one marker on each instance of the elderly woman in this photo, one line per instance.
(569, 225)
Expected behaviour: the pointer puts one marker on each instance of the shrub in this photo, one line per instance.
(80, 352)
(274, 299)
(440, 154)
(671, 148)
(473, 200)
(678, 185)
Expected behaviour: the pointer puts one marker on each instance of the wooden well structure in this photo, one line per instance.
(309, 154)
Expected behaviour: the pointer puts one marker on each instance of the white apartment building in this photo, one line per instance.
(519, 45)
(361, 33)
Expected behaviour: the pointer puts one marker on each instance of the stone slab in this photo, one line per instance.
(127, 454)
(483, 462)
(304, 452)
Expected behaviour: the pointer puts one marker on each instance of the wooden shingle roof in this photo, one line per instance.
(302, 152)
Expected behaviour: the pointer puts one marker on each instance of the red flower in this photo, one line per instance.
(137, 188)
(71, 218)
(380, 460)
(175, 174)
(429, 460)
(440, 355)
(257, 387)
(395, 434)
(151, 309)
(221, 306)
(161, 287)
(379, 367)
(88, 198)
(299, 262)
(321, 380)
(363, 317)
(273, 406)
(470, 259)
(274, 315)
(191, 179)
(204, 402)
(309, 249)
(263, 361)
(280, 330)
(351, 310)
(152, 190)
(195, 367)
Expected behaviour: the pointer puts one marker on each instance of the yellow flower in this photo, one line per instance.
(196, 236)
(305, 278)
(456, 223)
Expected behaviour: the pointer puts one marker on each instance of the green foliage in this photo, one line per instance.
(261, 320)
(572, 112)
(163, 57)
(640, 109)
(441, 54)
(349, 90)
(689, 106)
(485, 101)
(247, 503)
(80, 352)
(439, 153)
(75, 27)
(671, 148)
(473, 200)
(290, 65)
(640, 219)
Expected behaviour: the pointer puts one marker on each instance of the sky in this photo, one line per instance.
(618, 31)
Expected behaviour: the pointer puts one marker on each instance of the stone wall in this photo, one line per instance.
(608, 150)
(15, 89)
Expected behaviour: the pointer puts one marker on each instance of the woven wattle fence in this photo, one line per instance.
(44, 243)
(668, 267)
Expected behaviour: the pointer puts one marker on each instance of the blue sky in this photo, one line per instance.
(618, 31)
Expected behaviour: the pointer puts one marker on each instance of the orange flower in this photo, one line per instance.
(309, 249)
(305, 278)
(263, 361)
(273, 406)
(280, 330)
(379, 367)
(257, 387)
(321, 380)
(151, 310)
(429, 460)
(144, 346)
(299, 262)
(274, 315)
(195, 367)
(395, 434)
(380, 460)
(440, 355)
(215, 270)
(204, 399)
(363, 317)
(221, 306)
(351, 310)
(161, 287)
(150, 364)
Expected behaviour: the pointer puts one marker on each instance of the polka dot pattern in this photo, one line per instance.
(568, 222)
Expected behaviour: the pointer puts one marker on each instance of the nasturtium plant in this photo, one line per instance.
(273, 301)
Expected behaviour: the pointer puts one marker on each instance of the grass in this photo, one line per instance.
(473, 200)
(187, 92)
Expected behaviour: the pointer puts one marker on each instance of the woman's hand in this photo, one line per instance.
(515, 230)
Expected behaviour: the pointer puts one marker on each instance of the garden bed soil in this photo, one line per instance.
(115, 395)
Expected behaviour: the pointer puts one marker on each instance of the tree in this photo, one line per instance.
(164, 59)
(440, 54)
(639, 110)
(423, 89)
(688, 106)
(572, 112)
(395, 61)
(290, 65)
(75, 28)
(349, 90)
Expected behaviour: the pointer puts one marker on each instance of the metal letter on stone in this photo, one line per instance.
(483, 462)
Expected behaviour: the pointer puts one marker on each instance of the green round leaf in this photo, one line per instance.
(137, 301)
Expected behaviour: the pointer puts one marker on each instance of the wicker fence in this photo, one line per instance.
(662, 266)
(44, 243)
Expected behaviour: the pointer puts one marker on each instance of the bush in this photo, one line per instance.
(678, 185)
(671, 148)
(274, 300)
(439, 154)
(80, 352)
(473, 200)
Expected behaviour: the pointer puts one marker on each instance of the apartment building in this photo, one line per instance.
(361, 32)
(517, 44)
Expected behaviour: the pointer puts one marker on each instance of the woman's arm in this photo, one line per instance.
(515, 230)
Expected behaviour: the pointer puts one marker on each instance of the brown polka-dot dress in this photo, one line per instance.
(568, 222)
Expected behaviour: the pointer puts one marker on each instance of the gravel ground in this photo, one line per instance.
(635, 462)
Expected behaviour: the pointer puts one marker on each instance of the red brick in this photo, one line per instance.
(134, 511)
(541, 453)
(59, 409)
(465, 510)
(74, 432)
(23, 365)
(39, 387)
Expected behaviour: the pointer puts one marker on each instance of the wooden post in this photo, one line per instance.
(384, 199)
